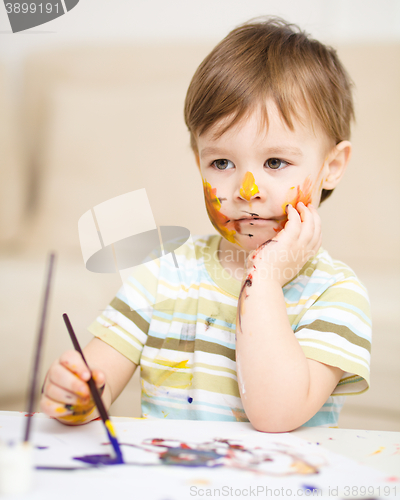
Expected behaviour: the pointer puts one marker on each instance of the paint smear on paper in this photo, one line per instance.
(379, 450)
(310, 488)
(98, 459)
(279, 460)
(191, 458)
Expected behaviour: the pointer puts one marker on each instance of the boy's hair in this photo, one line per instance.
(270, 58)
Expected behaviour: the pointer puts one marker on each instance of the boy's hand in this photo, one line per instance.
(281, 258)
(66, 395)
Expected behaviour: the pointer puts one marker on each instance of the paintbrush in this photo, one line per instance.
(96, 396)
(36, 365)
(16, 460)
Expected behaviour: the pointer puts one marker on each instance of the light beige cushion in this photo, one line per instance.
(103, 142)
(360, 221)
(13, 179)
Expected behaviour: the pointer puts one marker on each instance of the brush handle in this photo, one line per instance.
(91, 382)
(39, 344)
(96, 395)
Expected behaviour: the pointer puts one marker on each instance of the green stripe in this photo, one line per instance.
(132, 315)
(350, 380)
(331, 346)
(220, 384)
(325, 326)
(190, 346)
(114, 340)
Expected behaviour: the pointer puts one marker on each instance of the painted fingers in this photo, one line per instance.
(293, 246)
(308, 228)
(66, 394)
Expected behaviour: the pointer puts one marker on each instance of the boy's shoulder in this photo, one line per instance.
(196, 246)
(322, 272)
(323, 262)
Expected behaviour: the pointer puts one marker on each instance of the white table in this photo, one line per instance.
(368, 465)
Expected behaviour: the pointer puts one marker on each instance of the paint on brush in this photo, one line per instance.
(105, 459)
(114, 441)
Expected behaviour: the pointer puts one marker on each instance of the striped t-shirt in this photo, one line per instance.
(179, 325)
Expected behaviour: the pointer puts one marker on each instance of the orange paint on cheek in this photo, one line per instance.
(217, 218)
(249, 187)
(300, 194)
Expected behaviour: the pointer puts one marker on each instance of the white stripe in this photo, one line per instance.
(331, 338)
(121, 334)
(335, 351)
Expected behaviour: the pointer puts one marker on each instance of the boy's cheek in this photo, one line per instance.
(307, 192)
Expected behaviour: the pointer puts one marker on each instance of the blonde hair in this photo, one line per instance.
(270, 58)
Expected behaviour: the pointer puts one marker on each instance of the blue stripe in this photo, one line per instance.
(345, 306)
(184, 414)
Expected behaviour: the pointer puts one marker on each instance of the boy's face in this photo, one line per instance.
(250, 174)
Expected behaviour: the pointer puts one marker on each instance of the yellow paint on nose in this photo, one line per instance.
(248, 187)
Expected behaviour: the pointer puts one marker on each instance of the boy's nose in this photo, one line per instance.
(248, 188)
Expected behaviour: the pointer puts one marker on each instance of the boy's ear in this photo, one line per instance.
(338, 160)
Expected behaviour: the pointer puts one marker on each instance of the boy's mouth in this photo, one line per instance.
(258, 220)
(254, 216)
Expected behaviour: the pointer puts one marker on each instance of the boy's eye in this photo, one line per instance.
(222, 164)
(275, 163)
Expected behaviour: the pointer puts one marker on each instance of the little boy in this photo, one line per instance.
(258, 323)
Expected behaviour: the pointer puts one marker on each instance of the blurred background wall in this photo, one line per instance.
(91, 107)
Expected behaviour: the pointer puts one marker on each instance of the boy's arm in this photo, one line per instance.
(66, 394)
(280, 388)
